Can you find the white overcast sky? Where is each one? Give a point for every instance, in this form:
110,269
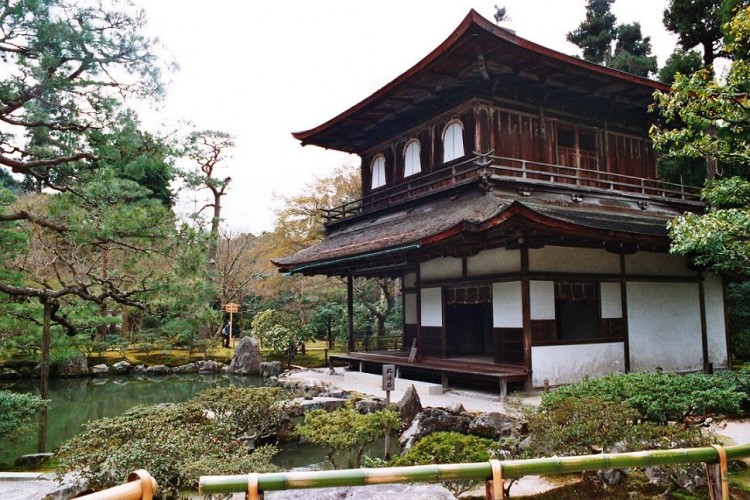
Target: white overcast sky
263,69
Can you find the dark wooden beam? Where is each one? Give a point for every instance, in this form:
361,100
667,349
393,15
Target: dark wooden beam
350,313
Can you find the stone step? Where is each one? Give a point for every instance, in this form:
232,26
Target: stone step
373,380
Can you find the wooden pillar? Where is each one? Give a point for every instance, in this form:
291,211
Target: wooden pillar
704,326
624,302
350,313
526,310
726,322
419,313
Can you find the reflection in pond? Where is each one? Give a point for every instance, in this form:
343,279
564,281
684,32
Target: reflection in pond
76,401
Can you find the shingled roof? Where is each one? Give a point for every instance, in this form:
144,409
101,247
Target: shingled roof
477,55
471,213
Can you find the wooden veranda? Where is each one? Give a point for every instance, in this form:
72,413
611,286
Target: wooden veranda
444,367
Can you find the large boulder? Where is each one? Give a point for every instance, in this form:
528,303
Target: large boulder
158,370
434,420
270,369
77,366
494,425
409,406
246,360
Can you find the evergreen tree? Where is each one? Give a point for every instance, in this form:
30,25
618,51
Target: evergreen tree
684,62
619,47
597,32
633,51
697,23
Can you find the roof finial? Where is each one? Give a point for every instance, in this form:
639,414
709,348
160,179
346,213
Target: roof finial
500,14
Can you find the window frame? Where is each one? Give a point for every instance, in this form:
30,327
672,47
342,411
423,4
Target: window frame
373,187
451,125
407,146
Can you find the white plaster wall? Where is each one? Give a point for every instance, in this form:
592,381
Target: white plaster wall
495,261
611,300
432,307
542,294
410,280
568,259
713,290
563,364
660,264
444,267
506,305
664,326
410,308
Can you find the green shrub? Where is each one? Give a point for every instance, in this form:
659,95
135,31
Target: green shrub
584,426
347,429
18,413
448,448
178,443
659,397
581,426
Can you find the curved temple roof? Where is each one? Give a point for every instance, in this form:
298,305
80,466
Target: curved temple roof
478,58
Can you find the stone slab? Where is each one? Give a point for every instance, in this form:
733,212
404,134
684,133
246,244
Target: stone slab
373,380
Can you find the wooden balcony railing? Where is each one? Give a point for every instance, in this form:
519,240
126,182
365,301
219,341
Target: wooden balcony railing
502,169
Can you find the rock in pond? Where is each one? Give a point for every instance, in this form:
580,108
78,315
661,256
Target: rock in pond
120,367
158,370
188,368
77,366
246,360
9,374
100,369
209,366
270,369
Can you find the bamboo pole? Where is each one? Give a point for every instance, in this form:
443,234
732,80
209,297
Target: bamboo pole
463,472
139,486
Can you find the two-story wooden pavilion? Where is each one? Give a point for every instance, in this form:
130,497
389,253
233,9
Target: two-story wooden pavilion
513,189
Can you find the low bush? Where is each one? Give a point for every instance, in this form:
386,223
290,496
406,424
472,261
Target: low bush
591,425
581,426
18,413
347,429
177,443
660,397
449,448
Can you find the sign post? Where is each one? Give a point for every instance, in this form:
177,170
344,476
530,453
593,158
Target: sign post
231,308
389,384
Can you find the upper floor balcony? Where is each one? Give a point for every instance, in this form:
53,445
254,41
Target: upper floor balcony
525,178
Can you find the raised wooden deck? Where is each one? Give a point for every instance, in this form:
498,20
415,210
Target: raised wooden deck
445,367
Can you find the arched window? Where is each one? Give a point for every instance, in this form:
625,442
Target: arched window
377,168
412,161
453,142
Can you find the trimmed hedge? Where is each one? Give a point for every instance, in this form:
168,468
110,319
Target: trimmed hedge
662,397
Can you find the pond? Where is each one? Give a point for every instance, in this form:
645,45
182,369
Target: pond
76,401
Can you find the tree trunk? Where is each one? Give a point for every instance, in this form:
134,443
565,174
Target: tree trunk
44,376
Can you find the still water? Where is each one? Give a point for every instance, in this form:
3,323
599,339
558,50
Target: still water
77,401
